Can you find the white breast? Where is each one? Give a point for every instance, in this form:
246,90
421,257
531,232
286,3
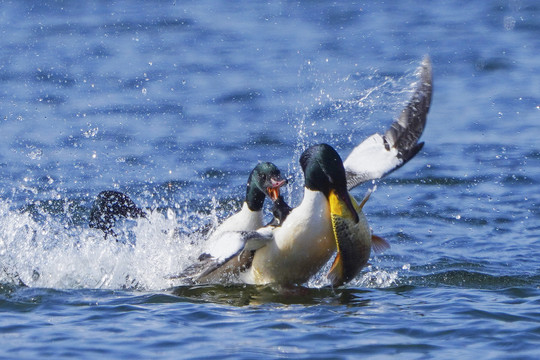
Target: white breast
301,246
244,220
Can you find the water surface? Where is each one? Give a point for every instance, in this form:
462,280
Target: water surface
175,102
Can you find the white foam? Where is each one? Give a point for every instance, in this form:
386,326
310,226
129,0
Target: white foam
49,255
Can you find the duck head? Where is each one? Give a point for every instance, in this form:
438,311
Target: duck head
110,206
264,180
324,172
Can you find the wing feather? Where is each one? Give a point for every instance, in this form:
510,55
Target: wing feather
379,155
231,253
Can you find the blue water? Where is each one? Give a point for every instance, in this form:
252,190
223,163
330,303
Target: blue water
175,102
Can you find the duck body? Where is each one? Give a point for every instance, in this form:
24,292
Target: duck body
221,242
300,246
227,250
354,241
109,207
244,220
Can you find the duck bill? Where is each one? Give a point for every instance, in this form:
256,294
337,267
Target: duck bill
273,190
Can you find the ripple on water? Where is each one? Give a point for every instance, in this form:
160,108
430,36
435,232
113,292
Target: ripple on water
149,97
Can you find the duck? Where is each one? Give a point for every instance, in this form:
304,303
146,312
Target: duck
109,207
265,180
328,220
305,241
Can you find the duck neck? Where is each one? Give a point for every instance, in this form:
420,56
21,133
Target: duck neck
254,197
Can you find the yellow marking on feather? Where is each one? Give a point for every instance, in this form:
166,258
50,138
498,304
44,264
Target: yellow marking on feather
345,263
338,207
334,230
336,271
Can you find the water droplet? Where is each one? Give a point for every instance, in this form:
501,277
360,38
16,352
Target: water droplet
91,132
35,154
509,22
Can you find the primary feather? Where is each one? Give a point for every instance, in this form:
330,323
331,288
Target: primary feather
379,155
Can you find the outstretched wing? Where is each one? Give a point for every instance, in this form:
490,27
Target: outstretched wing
379,155
227,256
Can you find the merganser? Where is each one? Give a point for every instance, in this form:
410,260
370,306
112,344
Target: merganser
109,207
328,218
265,180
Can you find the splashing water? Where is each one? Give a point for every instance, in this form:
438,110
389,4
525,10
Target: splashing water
146,256
48,253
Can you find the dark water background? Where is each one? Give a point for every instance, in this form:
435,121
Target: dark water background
175,102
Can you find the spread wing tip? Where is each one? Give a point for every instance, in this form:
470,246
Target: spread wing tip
404,133
377,156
